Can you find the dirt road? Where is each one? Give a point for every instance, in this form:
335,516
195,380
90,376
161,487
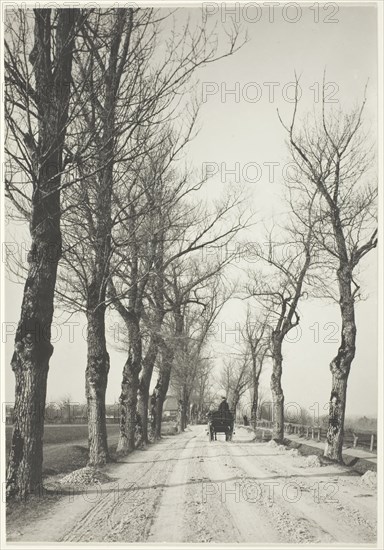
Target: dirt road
186,489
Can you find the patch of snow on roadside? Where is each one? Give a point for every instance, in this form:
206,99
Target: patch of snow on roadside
293,452
311,461
369,479
85,476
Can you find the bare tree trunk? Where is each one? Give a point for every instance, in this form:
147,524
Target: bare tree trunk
335,432
96,378
164,379
129,389
145,381
153,416
159,414
164,385
128,402
142,407
255,399
235,402
277,390
101,230
24,473
184,409
350,242
33,348
340,367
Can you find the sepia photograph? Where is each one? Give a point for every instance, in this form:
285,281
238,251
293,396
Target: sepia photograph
191,274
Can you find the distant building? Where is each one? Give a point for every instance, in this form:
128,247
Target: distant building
170,408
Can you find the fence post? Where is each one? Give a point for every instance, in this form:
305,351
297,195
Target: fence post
313,434
307,433
319,435
355,438
372,442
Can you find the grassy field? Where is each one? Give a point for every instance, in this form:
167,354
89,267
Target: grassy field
63,433
66,445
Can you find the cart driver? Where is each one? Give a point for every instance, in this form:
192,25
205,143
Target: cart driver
224,407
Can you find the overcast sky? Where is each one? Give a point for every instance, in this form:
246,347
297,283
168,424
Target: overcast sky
242,128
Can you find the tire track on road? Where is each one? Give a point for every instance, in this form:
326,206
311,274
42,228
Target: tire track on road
324,517
167,525
128,516
206,519
251,522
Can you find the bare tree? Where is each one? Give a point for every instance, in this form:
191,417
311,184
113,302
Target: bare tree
111,43
204,297
201,392
236,378
38,93
191,228
332,156
256,335
131,98
193,297
279,290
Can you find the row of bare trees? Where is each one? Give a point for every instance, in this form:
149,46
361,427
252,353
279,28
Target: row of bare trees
97,123
97,128
315,253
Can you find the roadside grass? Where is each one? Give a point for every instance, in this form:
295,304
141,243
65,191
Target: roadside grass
66,445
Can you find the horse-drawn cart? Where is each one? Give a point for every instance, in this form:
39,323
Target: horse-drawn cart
219,422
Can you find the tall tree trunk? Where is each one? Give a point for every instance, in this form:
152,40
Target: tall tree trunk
129,389
335,433
235,403
155,341
255,400
128,403
163,382
184,408
153,415
340,367
277,390
142,408
98,358
96,377
164,385
33,348
159,411
145,381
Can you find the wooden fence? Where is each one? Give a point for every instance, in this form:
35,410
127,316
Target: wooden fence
362,440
